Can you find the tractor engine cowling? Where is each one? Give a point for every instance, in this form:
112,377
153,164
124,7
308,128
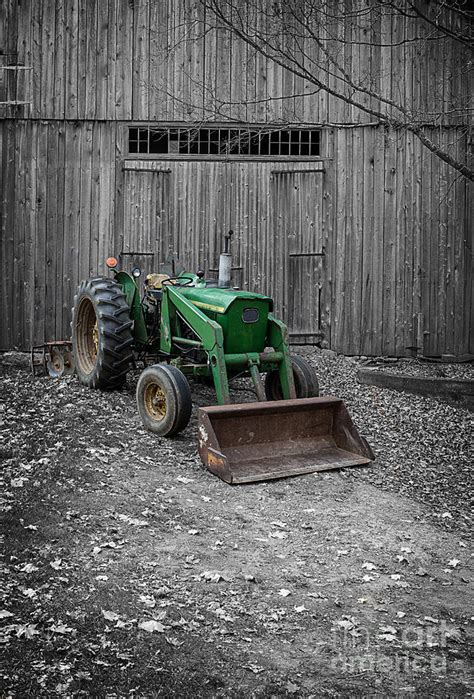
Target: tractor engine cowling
242,315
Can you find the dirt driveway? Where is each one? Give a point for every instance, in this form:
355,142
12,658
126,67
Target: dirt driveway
130,571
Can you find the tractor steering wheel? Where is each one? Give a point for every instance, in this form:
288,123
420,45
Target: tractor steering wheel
189,280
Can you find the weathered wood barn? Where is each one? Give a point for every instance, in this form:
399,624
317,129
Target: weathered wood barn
149,128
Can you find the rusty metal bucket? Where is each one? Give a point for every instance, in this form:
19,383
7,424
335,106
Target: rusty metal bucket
248,442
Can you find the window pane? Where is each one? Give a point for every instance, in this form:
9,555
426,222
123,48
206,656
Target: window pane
245,141
159,142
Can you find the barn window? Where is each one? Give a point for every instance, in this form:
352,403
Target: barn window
224,142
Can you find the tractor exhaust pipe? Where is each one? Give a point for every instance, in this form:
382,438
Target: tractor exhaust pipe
225,263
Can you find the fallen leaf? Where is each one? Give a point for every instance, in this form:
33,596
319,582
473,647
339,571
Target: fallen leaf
29,568
387,636
212,577
17,482
291,688
454,562
345,624
60,629
29,592
174,642
151,626
284,593
369,566
110,616
27,630
148,600
56,564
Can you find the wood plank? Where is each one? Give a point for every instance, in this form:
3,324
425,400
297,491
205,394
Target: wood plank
52,226
91,61
7,230
111,66
389,244
401,270
71,221
71,55
104,96
23,250
36,57
107,138
141,23
61,232
84,269
47,59
158,37
368,234
124,56
38,231
83,20
58,93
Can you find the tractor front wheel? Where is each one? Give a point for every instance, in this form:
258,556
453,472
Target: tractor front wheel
101,334
164,400
306,381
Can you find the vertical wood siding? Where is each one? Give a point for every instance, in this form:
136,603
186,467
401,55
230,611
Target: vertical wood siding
397,266
395,222
165,60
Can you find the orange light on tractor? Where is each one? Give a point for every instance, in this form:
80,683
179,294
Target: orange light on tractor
111,262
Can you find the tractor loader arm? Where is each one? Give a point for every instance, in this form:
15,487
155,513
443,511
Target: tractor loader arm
209,332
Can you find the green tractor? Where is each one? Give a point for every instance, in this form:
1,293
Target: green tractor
191,327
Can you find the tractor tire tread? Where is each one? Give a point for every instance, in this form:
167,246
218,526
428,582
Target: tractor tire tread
114,327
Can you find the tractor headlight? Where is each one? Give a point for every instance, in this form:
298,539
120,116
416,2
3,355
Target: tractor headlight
136,271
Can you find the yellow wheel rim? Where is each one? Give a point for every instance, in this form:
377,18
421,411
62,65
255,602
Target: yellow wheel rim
87,334
95,336
155,401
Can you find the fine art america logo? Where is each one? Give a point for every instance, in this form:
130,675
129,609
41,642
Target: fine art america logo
413,649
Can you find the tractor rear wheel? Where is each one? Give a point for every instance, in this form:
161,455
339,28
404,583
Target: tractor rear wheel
306,381
164,400
101,334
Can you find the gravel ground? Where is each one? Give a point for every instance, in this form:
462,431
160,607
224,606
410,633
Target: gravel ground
131,572
423,446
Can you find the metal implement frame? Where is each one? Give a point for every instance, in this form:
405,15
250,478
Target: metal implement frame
39,353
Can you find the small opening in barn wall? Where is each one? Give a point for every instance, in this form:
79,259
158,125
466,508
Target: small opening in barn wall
224,142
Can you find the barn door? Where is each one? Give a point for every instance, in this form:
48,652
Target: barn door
297,200
145,231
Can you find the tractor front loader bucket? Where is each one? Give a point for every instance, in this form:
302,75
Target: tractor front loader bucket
248,442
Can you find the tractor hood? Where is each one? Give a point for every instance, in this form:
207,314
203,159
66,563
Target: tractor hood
215,300
242,315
